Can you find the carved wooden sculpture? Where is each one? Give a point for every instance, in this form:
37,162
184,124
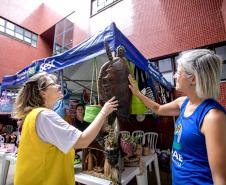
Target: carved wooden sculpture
113,81
90,160
107,168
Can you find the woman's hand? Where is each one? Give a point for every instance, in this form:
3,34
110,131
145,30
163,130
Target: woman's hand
89,134
109,106
133,86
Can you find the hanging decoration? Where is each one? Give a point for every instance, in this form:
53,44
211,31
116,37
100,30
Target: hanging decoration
92,110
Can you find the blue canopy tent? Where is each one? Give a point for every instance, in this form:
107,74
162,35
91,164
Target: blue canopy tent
77,62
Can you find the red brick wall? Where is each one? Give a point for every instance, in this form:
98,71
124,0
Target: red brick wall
222,96
164,27
223,10
33,15
159,28
15,55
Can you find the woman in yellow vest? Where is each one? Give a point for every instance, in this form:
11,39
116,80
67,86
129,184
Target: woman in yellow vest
46,151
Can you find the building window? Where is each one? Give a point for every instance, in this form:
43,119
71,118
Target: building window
165,65
221,51
169,77
166,68
100,5
64,32
15,31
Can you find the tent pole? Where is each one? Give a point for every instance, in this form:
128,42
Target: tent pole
76,82
61,80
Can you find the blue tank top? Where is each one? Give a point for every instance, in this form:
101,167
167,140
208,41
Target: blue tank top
189,154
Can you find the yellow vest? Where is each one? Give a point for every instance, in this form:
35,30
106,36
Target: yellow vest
40,163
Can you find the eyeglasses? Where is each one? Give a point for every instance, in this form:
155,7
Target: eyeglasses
180,73
50,84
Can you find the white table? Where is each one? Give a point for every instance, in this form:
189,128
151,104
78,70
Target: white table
127,175
148,160
2,175
88,179
7,158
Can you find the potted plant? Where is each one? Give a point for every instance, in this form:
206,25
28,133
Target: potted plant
128,145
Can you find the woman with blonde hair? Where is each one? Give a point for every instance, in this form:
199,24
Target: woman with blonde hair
46,150
199,147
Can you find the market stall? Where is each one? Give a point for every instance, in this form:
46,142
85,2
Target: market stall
79,68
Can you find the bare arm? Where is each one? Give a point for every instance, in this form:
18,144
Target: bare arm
214,129
93,129
169,109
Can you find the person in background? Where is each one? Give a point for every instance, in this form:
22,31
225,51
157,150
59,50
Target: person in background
19,130
46,149
80,124
78,120
199,147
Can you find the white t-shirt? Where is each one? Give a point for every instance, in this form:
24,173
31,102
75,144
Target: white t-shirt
51,128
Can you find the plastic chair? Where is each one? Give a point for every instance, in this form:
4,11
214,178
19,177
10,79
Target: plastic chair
139,134
150,139
125,133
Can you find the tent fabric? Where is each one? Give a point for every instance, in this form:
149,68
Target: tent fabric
86,51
